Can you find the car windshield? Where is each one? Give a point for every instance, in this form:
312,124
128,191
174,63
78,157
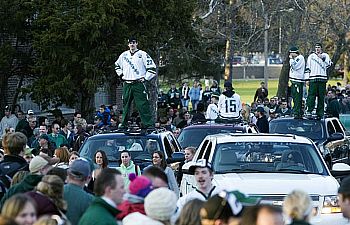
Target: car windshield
140,147
307,128
268,157
194,137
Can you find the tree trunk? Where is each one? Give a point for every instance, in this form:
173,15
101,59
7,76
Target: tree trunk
3,93
283,79
19,85
86,106
339,49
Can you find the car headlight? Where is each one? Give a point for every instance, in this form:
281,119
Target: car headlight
331,204
324,150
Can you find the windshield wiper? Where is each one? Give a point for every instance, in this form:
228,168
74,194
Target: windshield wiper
243,170
295,171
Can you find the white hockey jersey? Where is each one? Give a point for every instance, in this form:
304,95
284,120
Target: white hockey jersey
135,66
230,107
297,69
212,112
316,68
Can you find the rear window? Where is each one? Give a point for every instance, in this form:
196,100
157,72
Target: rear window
194,137
308,128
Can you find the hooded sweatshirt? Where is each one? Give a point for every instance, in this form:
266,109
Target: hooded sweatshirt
127,170
229,104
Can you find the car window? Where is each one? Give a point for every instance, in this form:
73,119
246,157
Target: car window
194,137
169,148
204,146
307,128
173,142
208,150
337,126
269,157
330,128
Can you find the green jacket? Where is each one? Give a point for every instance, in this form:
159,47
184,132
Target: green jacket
126,171
99,213
28,184
58,139
76,209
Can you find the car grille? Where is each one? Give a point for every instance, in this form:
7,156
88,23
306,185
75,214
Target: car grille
277,200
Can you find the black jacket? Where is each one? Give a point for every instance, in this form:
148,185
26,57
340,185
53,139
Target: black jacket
263,124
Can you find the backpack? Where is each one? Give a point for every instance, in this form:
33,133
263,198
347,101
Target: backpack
7,171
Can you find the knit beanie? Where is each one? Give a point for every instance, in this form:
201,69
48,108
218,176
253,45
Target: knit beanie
160,204
293,50
139,185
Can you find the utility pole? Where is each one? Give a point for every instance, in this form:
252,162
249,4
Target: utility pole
266,36
229,43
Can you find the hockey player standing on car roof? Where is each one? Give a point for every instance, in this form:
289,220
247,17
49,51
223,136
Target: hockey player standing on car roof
297,78
135,67
316,72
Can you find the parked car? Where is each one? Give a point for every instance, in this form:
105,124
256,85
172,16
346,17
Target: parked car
193,135
328,134
270,166
141,145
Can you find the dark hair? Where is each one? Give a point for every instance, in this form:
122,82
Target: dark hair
153,171
55,122
60,172
104,158
163,164
64,122
105,179
41,120
125,151
76,113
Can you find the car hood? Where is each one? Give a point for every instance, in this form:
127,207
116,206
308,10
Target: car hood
277,183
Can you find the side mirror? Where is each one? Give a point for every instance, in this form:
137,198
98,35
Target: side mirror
176,157
186,167
340,170
335,137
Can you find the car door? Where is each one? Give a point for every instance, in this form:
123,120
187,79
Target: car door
341,146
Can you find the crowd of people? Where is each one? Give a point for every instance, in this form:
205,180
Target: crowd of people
42,192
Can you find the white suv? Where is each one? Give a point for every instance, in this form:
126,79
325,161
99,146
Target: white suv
270,166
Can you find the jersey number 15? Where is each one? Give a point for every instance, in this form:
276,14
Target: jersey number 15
230,105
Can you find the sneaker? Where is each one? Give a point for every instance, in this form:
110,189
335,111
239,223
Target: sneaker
308,115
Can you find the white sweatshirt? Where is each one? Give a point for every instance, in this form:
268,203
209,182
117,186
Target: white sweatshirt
297,68
316,67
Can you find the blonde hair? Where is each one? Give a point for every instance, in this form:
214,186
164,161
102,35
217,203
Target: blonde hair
18,177
52,187
14,205
246,113
63,154
298,205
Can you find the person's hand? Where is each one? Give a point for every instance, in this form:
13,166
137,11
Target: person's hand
142,79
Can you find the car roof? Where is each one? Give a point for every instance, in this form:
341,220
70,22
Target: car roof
292,119
244,137
215,125
122,134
